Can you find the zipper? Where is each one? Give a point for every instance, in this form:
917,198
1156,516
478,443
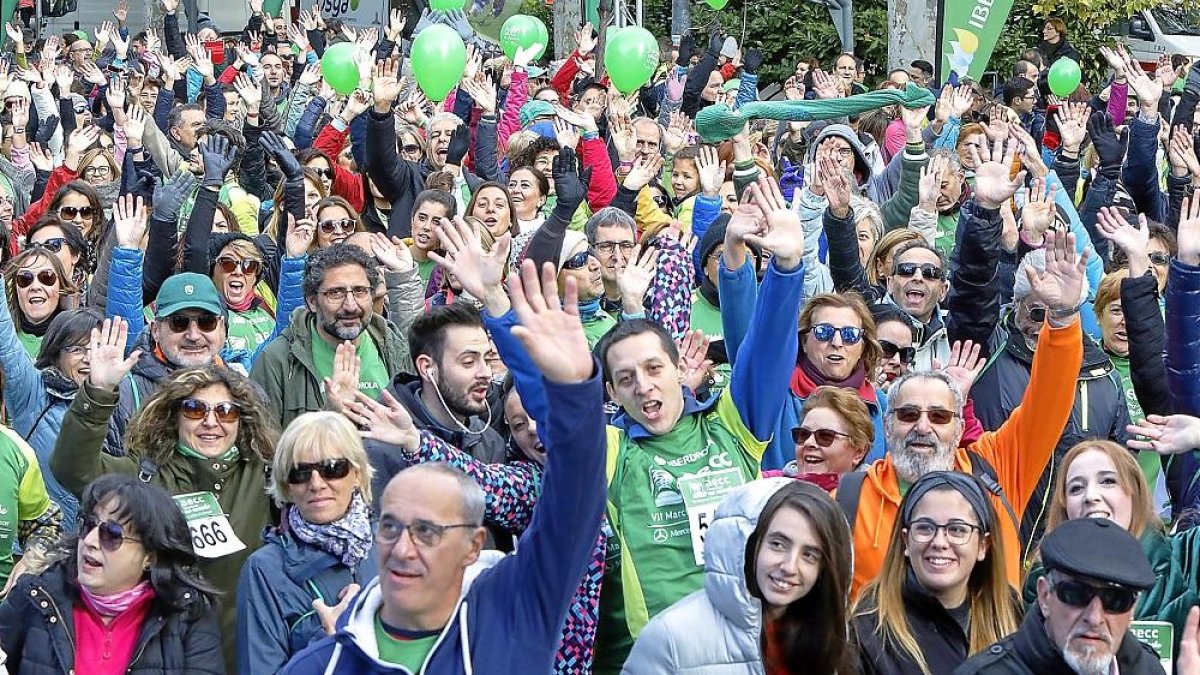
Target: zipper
141,649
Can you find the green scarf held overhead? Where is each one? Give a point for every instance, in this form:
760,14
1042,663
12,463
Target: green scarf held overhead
717,123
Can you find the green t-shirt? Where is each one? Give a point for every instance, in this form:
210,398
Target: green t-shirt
31,343
706,317
373,375
23,494
425,268
1149,461
409,652
249,329
597,327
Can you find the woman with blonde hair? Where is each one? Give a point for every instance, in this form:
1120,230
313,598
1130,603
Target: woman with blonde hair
942,594
879,263
1101,479
323,551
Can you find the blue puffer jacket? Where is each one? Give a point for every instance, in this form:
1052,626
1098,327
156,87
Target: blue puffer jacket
36,401
275,618
1183,357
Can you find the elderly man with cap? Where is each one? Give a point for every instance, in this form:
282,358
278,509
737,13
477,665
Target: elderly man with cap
1080,623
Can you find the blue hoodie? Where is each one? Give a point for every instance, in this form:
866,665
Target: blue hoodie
511,608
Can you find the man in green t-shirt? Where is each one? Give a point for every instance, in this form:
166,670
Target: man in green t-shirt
26,512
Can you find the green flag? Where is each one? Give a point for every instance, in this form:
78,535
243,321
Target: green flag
969,31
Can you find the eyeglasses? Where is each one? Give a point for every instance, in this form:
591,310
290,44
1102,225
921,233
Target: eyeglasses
825,437
323,173
24,278
410,148
577,261
80,50
96,171
248,267
340,225
53,245
75,350
851,335
424,532
80,109
909,414
339,294
607,247
330,469
1079,594
923,530
928,270
890,349
179,323
69,212
112,535
227,412
1160,258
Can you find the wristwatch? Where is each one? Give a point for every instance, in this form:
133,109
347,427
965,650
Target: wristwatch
1064,313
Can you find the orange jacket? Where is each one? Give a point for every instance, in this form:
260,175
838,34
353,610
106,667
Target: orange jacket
1019,451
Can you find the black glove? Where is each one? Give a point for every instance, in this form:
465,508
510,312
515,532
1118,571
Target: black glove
460,143
287,162
1110,149
1192,86
169,196
715,42
687,45
570,186
752,61
219,155
46,130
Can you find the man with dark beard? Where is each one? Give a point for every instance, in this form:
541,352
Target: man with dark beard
924,425
336,344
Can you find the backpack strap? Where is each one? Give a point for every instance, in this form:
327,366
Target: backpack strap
849,490
986,473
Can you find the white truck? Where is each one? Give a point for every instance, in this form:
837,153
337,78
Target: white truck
1172,29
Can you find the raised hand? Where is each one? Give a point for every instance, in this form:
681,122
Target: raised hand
1182,153
80,140
299,237
693,353
219,155
103,34
1165,435
483,92
129,221
106,354
288,164
993,186
1189,647
1189,231
825,86
1072,125
311,74
566,134
169,6
20,114
40,155
356,104
249,91
169,197
393,254
14,33
120,44
583,121
570,185
134,126
385,84
480,273
645,169
585,40
1038,214
711,170
620,130
121,13
342,384
636,277
1110,148
385,421
836,182
784,235
964,365
549,328
1114,227
1149,90
93,75
675,135
395,27
929,188
1061,286
524,55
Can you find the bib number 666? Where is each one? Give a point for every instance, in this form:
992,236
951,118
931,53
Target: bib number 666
208,534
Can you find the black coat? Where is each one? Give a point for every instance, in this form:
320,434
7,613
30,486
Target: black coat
1029,652
37,633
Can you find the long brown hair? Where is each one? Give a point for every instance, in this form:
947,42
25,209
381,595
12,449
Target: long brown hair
1129,473
994,612
154,430
812,631
66,288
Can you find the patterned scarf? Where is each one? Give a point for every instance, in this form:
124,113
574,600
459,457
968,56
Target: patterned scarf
117,603
348,538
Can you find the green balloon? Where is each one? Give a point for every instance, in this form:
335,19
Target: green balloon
339,69
1064,77
717,4
439,58
446,5
523,31
630,58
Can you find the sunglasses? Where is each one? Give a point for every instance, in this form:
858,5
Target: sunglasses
330,469
179,323
111,534
248,267
69,212
577,261
1160,258
80,109
1079,594
340,225
909,414
24,278
53,245
851,335
195,409
323,173
928,270
825,437
410,148
1037,314
890,349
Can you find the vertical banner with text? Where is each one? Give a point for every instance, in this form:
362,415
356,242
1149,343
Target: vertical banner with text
969,32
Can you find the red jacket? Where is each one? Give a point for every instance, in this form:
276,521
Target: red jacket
20,227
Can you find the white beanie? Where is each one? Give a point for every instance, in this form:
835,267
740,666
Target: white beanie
729,49
1036,260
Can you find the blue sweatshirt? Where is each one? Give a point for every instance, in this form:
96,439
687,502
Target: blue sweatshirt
509,618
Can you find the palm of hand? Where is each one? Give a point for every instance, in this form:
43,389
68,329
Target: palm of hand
1037,216
992,183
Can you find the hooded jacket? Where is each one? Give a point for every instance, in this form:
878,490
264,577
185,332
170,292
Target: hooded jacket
508,620
483,442
1183,361
718,629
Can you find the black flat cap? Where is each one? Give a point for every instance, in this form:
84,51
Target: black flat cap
1100,549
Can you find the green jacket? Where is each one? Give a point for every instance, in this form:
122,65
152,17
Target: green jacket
239,485
289,379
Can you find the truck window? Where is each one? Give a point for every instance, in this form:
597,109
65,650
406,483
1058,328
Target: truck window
1178,20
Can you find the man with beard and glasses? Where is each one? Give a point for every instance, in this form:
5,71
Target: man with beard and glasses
336,344
924,425
1080,622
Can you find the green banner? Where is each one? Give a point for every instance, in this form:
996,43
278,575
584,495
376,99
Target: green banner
970,29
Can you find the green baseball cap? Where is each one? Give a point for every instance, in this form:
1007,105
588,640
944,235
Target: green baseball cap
188,291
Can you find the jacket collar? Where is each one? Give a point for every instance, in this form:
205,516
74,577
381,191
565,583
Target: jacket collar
299,335
637,432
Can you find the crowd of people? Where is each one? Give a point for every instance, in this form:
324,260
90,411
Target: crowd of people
538,380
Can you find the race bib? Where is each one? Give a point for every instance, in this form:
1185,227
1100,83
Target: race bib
701,495
212,535
1160,635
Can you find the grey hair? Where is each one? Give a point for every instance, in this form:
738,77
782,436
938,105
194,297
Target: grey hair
952,160
609,216
469,492
959,400
321,435
1037,260
440,117
865,209
642,120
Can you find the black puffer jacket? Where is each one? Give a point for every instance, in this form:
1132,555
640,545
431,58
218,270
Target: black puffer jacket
37,632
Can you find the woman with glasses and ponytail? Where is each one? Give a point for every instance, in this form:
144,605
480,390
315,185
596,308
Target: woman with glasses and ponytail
204,436
942,594
322,553
124,595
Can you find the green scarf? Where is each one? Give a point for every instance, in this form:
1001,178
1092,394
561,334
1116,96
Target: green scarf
228,456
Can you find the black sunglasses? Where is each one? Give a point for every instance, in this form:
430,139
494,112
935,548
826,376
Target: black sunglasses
323,173
53,245
890,349
1115,600
928,270
577,261
825,437
69,212
24,278
1160,258
1037,314
410,147
330,469
111,534
178,323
